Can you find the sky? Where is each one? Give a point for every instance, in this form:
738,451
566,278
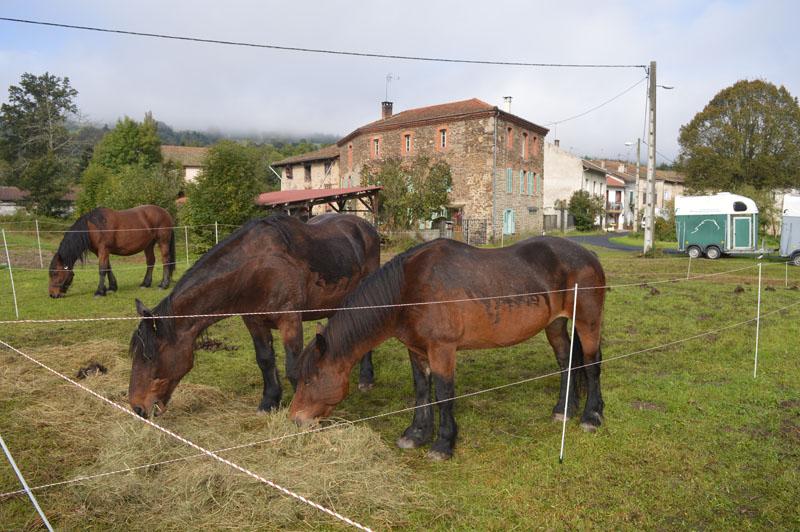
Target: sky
700,47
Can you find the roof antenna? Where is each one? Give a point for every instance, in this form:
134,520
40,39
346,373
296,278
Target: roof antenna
389,78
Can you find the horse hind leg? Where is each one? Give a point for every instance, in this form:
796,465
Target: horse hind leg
167,260
150,258
559,340
105,268
589,334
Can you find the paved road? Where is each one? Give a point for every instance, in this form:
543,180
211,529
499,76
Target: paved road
604,242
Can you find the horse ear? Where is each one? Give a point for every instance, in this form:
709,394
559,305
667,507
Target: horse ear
322,345
142,310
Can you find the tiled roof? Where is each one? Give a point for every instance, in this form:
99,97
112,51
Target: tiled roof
440,112
289,196
328,152
185,155
12,193
612,181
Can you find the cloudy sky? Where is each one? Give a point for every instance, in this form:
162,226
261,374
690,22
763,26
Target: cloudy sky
700,48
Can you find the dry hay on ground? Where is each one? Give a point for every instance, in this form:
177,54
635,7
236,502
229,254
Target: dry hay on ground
347,468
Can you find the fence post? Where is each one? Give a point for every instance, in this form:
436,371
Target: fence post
569,373
786,275
466,226
758,321
186,241
689,269
25,485
10,274
39,243
216,233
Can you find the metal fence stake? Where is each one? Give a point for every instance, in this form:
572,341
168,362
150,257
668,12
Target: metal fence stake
758,321
10,274
569,374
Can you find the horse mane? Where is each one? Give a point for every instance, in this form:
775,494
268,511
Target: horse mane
143,341
348,327
76,241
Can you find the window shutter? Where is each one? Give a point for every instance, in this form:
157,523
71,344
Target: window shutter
509,180
521,182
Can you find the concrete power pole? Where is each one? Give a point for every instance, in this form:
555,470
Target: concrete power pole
649,233
636,187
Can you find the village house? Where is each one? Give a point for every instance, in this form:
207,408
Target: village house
315,170
495,157
191,159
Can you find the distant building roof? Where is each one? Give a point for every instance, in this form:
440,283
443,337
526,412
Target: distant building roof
612,181
438,113
328,152
185,155
628,170
12,193
291,196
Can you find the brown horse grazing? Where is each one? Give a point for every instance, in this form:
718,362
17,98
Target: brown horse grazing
107,232
272,264
545,268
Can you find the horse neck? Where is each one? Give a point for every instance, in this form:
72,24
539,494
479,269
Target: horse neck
352,349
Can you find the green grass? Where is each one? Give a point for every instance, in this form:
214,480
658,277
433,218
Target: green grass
690,440
638,241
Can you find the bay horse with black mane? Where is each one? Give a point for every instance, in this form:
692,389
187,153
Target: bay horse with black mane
107,232
280,270
537,274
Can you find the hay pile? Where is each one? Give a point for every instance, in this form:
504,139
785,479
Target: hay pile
68,433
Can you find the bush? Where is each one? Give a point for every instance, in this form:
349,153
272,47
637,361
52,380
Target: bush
140,185
585,208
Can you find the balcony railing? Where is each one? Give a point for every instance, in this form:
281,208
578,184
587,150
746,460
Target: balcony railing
613,207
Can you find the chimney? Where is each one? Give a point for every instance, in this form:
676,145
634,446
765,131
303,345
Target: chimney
507,103
386,110
557,143
621,168
602,164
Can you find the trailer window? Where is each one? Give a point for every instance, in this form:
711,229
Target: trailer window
739,206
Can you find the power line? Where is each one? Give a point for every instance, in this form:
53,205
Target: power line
596,107
319,50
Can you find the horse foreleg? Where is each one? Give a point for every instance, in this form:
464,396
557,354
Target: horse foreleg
443,365
589,335
291,328
559,340
261,332
421,428
102,256
366,374
150,258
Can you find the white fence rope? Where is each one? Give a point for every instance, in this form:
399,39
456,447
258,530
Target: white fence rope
204,451
367,307
83,478
25,486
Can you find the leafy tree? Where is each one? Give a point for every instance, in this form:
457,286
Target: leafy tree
747,135
226,189
129,143
141,185
34,139
585,208
412,189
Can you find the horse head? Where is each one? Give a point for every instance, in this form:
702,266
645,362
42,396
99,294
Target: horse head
324,383
61,276
160,361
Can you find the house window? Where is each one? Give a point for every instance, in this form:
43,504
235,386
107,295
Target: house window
521,182
524,145
531,183
535,146
407,143
376,148
288,171
307,169
509,138
350,156
442,139
509,180
328,165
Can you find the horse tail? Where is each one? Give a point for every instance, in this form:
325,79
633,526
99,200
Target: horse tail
171,267
577,362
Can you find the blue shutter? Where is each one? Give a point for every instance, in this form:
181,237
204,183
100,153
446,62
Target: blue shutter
509,180
531,181
521,182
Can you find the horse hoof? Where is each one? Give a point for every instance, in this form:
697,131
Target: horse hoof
438,456
407,443
589,427
365,386
99,294
559,417
265,408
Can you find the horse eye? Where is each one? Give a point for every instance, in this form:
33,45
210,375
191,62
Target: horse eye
66,267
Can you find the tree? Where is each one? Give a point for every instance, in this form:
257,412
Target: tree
136,184
226,189
34,139
412,189
585,208
747,135
129,143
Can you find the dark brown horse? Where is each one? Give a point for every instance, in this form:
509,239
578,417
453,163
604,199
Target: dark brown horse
545,268
272,264
107,232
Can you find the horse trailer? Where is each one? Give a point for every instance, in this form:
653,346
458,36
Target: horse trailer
718,224
790,228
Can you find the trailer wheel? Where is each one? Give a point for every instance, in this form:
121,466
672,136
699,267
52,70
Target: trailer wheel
713,252
796,258
694,252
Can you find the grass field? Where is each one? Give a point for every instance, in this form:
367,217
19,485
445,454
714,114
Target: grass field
691,440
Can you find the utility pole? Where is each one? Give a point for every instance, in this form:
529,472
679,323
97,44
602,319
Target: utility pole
649,231
636,188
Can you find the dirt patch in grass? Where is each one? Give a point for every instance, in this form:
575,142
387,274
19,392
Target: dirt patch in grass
207,343
645,405
790,403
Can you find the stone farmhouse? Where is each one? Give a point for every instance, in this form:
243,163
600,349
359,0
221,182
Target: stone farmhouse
496,160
